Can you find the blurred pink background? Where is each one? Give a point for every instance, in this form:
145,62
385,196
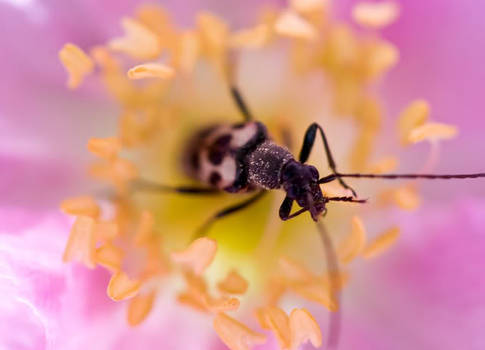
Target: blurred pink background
433,281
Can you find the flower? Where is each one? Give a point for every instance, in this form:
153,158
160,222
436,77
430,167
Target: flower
137,269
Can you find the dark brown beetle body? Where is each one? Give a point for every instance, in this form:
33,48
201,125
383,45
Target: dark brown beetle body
242,157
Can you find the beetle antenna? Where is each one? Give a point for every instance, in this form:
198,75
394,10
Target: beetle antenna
413,176
346,199
335,285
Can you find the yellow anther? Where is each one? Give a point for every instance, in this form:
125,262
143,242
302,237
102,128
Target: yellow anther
432,132
412,117
144,231
77,64
304,328
107,148
277,321
82,205
151,70
252,38
382,243
198,256
384,165
138,41
122,287
139,307
375,14
109,256
354,243
81,243
292,25
236,335
308,6
233,283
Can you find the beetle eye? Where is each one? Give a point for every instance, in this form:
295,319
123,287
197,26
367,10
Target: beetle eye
290,171
314,172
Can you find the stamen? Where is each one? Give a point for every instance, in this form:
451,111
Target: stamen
139,307
221,304
308,6
122,287
198,256
138,127
197,296
252,38
354,243
413,116
156,262
268,17
80,206
106,148
362,149
214,31
317,291
375,15
159,22
381,243
236,335
138,41
120,172
296,277
407,197
123,216
378,58
294,272
233,283
304,328
330,281
187,51
113,76
432,132
192,301
275,290
369,113
290,24
145,228
103,57
77,64
109,256
106,231
124,169
347,90
260,315
214,35
385,165
276,320
151,70
81,243
195,283
341,50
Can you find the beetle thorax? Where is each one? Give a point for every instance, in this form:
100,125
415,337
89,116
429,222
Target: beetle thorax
265,164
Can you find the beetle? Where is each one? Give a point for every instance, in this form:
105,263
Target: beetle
242,158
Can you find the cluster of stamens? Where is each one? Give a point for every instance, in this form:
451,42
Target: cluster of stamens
122,234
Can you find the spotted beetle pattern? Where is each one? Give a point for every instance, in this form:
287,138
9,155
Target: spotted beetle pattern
220,156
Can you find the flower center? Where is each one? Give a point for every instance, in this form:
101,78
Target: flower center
153,71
